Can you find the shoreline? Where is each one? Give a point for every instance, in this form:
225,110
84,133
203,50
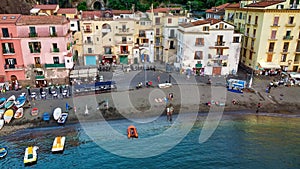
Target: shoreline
143,106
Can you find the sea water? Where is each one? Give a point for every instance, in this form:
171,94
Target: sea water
240,141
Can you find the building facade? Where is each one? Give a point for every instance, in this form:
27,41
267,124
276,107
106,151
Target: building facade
209,47
271,33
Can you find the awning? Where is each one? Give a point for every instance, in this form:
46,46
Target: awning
269,65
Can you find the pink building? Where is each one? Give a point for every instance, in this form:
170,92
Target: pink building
46,46
11,58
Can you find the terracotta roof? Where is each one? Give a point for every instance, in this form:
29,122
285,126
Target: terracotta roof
9,18
118,12
263,4
217,8
210,21
46,7
91,14
41,20
67,11
163,10
235,5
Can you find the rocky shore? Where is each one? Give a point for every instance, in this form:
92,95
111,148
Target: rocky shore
150,102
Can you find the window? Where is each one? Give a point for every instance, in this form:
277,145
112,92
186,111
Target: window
10,62
157,21
56,60
269,57
276,19
97,27
291,20
155,14
250,55
32,32
221,25
107,50
273,34
199,42
205,28
52,31
72,25
283,58
288,33
169,20
252,44
34,47
157,31
271,46
246,41
254,32
248,30
256,20
98,39
172,33
198,55
124,39
241,15
236,39
55,48
286,46
249,19
90,50
8,48
123,28
5,32
143,23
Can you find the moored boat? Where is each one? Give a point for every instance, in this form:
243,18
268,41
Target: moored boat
63,118
132,132
10,102
20,101
58,144
3,152
19,113
34,111
30,156
8,115
1,123
1,112
46,116
57,113
2,102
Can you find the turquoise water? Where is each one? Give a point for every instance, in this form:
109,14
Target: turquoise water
240,141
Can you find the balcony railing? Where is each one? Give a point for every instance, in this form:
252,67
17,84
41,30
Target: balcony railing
142,35
39,77
9,51
220,44
125,52
284,50
287,37
88,42
296,61
275,25
13,67
57,65
88,31
55,50
172,36
37,66
290,24
33,35
144,45
35,50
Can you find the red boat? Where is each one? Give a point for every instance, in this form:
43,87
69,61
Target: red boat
132,132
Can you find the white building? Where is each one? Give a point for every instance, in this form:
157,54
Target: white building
209,47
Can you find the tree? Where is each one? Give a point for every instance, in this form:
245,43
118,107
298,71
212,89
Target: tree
82,6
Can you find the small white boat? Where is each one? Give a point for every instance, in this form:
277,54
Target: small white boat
10,102
8,115
164,85
57,113
34,111
30,156
63,118
1,123
19,113
20,101
3,152
1,112
58,144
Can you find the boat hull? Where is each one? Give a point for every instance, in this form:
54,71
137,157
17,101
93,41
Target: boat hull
8,115
57,113
3,152
63,118
19,113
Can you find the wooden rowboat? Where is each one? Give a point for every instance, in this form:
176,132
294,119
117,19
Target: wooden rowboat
19,113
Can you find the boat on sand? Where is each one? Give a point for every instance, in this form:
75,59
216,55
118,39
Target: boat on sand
19,113
10,102
63,118
8,115
57,113
1,123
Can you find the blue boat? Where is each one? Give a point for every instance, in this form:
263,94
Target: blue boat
10,102
20,101
46,116
3,152
2,102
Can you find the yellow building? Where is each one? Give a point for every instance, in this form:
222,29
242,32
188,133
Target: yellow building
44,9
70,13
271,34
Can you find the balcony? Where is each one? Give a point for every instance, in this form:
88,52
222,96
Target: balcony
296,62
272,39
56,65
124,53
37,66
13,67
144,45
55,50
142,35
124,42
275,25
219,43
158,44
220,57
54,34
10,51
39,77
287,37
124,32
172,36
290,24
31,35
297,51
284,51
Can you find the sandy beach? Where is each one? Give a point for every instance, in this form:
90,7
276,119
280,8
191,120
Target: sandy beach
147,102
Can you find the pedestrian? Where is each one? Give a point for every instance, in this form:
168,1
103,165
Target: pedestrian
41,90
29,92
258,107
158,79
